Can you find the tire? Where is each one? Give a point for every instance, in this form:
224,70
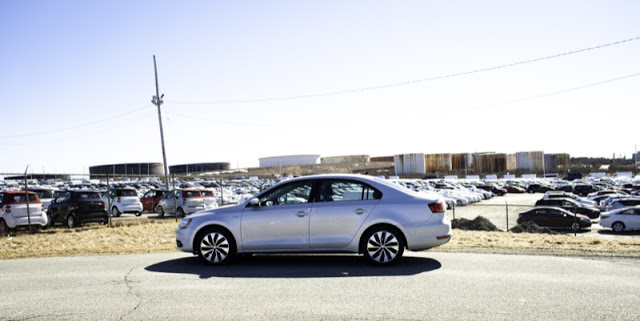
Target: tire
71,221
215,246
115,212
49,221
138,213
618,227
575,227
382,245
160,211
4,228
180,212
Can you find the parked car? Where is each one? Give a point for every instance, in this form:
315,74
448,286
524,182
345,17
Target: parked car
554,217
209,197
538,188
496,190
76,207
584,190
123,200
621,202
514,189
621,219
571,206
14,212
46,195
151,199
321,213
181,202
581,200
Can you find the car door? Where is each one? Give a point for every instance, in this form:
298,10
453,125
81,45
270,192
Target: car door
62,207
541,217
634,220
169,202
341,209
281,221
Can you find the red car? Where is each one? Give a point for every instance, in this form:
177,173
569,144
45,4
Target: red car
151,199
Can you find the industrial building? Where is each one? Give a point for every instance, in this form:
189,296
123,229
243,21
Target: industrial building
126,169
198,168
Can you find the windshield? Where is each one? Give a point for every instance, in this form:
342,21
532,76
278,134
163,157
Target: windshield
126,192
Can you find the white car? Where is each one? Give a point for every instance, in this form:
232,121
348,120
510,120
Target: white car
182,202
123,200
622,219
209,197
14,212
320,213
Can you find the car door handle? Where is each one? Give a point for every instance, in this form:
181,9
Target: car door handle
301,214
360,211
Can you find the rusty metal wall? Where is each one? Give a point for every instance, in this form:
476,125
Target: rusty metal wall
386,159
409,164
437,162
463,162
512,164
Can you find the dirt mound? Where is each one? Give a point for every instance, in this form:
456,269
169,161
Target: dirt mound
477,224
531,227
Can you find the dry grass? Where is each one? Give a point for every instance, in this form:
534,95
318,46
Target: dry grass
152,236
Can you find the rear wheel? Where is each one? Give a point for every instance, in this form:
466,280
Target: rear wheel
215,246
138,213
160,211
180,212
49,221
115,212
618,227
382,245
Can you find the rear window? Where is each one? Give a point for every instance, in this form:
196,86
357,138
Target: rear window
188,194
88,196
45,194
20,198
126,192
207,193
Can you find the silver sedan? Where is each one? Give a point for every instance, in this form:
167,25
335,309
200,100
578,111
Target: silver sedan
321,213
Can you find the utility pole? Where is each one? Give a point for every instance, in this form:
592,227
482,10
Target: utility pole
157,100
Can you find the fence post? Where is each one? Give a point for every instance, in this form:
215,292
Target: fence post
507,209
454,211
109,202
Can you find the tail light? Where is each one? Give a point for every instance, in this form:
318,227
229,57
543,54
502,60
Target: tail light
437,207
42,207
7,209
604,217
75,205
118,200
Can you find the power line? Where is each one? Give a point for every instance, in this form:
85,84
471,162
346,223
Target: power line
404,83
77,126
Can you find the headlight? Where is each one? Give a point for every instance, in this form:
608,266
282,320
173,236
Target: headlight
184,223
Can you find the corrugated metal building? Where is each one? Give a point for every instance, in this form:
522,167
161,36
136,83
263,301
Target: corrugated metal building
409,164
289,160
437,162
530,161
352,159
462,162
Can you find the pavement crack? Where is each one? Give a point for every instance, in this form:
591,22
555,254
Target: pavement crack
128,282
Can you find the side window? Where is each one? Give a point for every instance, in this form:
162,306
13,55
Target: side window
541,212
293,193
345,190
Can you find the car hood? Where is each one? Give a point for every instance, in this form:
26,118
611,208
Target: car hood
219,211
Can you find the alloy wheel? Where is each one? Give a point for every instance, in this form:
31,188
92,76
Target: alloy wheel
215,247
383,247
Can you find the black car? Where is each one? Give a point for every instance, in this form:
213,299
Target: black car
76,207
584,190
554,217
538,188
571,206
495,189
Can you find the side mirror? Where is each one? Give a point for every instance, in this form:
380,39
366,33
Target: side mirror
254,202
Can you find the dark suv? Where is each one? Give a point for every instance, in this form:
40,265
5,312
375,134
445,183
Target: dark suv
76,207
571,206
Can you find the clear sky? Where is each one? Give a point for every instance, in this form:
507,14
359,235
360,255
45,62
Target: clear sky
250,79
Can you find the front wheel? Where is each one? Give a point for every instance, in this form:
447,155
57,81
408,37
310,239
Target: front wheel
4,228
160,211
575,227
71,221
180,212
138,213
618,227
215,246
382,245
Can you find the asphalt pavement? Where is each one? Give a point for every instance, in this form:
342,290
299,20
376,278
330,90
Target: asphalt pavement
423,286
